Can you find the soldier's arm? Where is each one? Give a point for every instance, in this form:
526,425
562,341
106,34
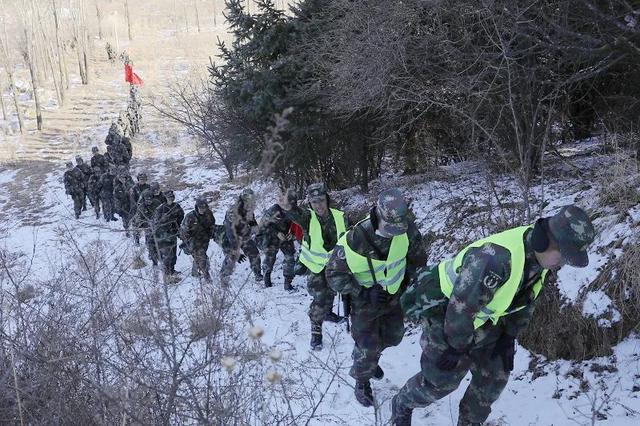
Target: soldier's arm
417,254
229,221
482,272
300,216
339,276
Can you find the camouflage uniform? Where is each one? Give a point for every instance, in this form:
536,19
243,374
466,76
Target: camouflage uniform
118,152
106,195
166,226
149,202
93,190
450,342
99,160
134,197
196,231
274,235
239,225
321,307
87,172
74,186
121,199
376,325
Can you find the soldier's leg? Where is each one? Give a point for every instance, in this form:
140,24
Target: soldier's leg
267,265
365,330
95,202
323,296
487,383
150,242
289,262
249,248
77,203
431,383
202,262
392,326
231,255
84,201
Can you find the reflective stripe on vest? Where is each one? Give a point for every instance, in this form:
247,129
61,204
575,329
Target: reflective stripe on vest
513,241
314,256
388,273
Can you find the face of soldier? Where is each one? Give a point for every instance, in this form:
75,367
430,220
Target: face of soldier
319,205
170,200
551,258
202,209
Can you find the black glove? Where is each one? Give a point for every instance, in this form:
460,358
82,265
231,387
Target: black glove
378,295
242,258
450,359
506,349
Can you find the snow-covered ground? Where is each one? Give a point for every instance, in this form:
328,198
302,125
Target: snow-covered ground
540,392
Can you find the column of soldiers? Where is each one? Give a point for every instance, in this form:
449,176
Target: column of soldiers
471,307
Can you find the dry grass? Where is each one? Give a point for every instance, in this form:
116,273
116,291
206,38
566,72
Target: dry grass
618,184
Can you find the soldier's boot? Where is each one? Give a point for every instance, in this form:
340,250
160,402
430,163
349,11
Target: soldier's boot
379,374
267,279
463,422
335,318
316,337
194,270
288,286
364,393
400,416
259,277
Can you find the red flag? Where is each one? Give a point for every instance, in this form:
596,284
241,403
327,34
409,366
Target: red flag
296,230
130,76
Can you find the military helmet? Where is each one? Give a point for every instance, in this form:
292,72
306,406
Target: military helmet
572,229
317,192
94,149
392,210
291,195
201,202
142,176
79,159
155,186
248,196
69,164
169,194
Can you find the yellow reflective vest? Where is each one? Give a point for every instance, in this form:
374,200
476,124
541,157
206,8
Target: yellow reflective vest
313,254
513,241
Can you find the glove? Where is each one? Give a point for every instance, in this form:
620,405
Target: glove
506,349
242,258
450,359
378,295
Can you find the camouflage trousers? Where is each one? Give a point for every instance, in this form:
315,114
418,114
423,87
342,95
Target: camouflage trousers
232,254
168,251
374,328
289,250
323,297
150,242
200,266
107,207
77,198
488,377
95,202
125,215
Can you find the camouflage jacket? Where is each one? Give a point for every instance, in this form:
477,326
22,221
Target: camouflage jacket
118,153
329,234
93,185
147,206
340,277
425,300
106,185
73,181
274,221
197,229
100,161
121,189
166,221
239,225
134,193
86,171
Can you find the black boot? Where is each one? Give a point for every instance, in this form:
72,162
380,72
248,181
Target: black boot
463,422
363,393
316,337
379,374
267,279
333,317
288,286
400,416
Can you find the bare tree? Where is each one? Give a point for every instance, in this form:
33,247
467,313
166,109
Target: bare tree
128,16
8,66
4,109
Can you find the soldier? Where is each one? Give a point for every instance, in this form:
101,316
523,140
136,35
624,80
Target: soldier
99,160
274,234
372,265
166,226
106,194
149,202
473,306
195,232
74,186
93,189
322,227
134,195
240,225
122,185
86,172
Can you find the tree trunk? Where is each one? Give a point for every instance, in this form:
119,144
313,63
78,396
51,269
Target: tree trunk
29,59
4,108
99,15
215,20
126,11
62,63
195,5
12,86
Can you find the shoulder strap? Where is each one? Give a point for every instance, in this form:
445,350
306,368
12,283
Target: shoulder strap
375,248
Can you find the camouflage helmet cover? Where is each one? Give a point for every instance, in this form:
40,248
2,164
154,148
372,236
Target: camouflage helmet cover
392,210
317,191
572,229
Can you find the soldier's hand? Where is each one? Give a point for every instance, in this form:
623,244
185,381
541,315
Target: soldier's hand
378,295
242,258
506,349
450,359
281,236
